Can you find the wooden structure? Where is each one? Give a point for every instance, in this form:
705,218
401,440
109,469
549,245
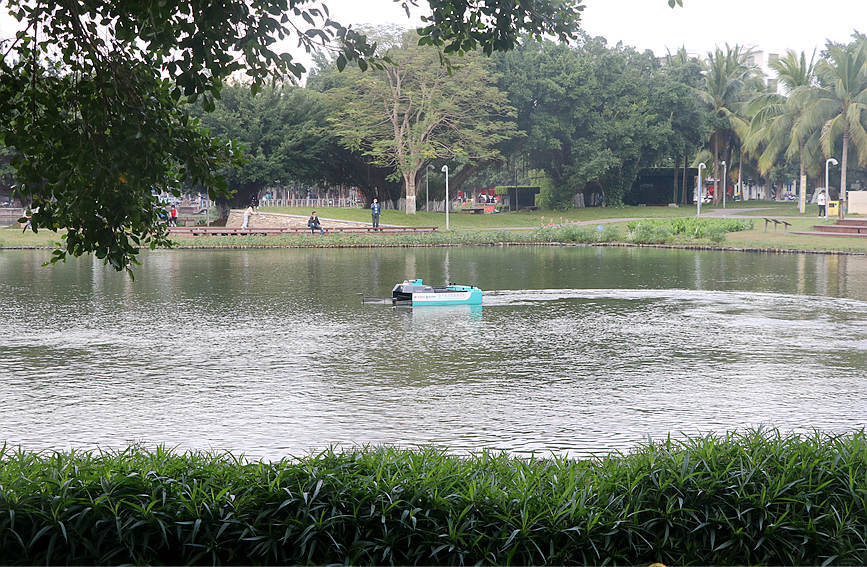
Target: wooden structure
276,231
517,197
848,227
776,222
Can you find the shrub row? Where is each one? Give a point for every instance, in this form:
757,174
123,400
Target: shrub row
666,231
759,497
578,233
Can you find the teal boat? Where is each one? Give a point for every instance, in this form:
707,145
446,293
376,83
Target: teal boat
415,292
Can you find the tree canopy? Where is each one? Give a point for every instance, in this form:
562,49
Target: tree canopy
92,94
414,110
594,114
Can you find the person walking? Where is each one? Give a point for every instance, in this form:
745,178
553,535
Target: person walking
29,216
314,224
820,200
375,209
247,213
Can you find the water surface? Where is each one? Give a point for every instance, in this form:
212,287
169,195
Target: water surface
575,351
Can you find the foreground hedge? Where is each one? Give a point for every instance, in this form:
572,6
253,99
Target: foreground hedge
759,497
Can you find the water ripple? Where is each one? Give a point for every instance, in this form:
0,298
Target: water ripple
270,353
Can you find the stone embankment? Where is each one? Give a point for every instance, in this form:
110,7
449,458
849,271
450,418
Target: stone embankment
280,220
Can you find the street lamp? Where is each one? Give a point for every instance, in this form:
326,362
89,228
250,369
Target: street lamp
445,170
700,167
426,189
724,183
832,161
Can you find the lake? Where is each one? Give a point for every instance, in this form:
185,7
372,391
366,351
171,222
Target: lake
576,351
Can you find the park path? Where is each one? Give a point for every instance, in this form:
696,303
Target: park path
735,213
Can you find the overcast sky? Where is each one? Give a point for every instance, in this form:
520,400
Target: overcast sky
771,25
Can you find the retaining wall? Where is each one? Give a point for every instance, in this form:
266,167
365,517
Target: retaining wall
275,220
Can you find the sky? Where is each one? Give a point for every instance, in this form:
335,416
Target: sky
769,25
700,25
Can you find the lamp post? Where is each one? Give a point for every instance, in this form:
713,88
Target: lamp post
698,199
445,170
724,183
827,196
426,189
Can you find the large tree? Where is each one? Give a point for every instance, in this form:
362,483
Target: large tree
91,93
730,81
675,96
282,132
591,112
776,125
414,110
838,106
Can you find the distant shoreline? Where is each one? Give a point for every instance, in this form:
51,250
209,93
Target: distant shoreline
694,247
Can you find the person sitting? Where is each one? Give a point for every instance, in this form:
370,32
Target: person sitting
314,224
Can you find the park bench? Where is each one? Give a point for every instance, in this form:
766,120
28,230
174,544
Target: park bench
785,224
221,231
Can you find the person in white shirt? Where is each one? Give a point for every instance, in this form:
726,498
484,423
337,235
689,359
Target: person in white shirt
821,201
247,212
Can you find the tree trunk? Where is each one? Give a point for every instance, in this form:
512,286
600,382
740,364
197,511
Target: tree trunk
675,169
717,196
240,200
409,181
841,205
801,172
683,196
457,180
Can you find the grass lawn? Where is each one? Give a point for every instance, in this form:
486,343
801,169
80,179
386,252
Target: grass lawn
12,237
533,219
470,228
757,238
465,221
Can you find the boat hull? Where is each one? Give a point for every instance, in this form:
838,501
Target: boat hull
416,293
462,297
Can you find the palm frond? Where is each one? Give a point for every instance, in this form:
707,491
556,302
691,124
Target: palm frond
857,132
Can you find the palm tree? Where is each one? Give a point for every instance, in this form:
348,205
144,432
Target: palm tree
774,117
837,106
727,78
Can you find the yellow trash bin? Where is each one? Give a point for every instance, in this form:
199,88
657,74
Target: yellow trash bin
832,208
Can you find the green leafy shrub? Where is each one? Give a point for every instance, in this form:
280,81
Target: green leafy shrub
660,231
576,233
610,233
759,497
715,234
651,233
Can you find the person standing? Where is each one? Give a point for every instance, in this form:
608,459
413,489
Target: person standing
821,201
247,212
375,209
314,224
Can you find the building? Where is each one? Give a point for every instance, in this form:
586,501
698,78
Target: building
762,61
